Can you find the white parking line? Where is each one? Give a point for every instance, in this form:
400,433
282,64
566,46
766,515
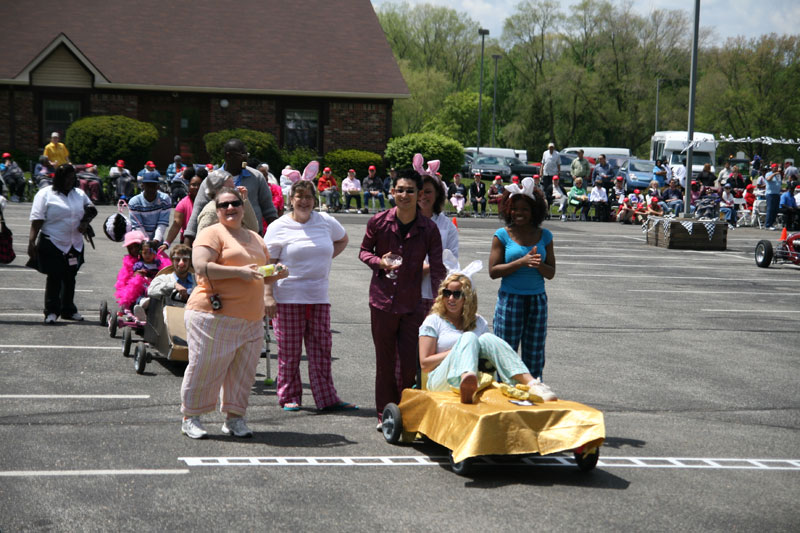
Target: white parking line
37,290
690,291
748,311
54,473
553,460
40,315
75,396
658,276
57,347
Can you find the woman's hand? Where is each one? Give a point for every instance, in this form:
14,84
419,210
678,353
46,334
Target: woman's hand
248,272
270,306
282,273
32,249
532,259
243,191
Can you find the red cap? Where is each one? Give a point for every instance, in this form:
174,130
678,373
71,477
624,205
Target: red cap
694,182
653,200
6,155
619,178
636,191
351,171
554,178
774,165
88,165
537,176
120,163
326,169
150,164
209,166
499,177
515,179
371,167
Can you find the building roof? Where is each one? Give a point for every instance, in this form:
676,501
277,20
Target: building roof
298,47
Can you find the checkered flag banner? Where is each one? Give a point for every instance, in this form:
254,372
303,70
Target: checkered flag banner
646,226
710,226
667,224
688,226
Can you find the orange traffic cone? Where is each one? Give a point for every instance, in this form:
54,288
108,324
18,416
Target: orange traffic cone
455,222
783,234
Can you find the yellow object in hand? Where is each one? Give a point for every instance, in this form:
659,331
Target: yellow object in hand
269,270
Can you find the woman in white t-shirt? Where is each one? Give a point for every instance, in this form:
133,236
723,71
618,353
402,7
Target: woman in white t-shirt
306,242
454,337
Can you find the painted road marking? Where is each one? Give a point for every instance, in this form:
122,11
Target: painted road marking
75,396
56,347
38,315
556,460
658,276
54,473
749,311
764,293
38,290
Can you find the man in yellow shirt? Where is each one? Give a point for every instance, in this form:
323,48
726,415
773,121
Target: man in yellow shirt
55,151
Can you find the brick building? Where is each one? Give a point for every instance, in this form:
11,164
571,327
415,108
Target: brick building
313,73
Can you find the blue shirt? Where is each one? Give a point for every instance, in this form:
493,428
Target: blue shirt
524,280
787,200
150,216
773,185
237,180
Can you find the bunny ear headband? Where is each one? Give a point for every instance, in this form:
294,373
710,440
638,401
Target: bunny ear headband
526,189
433,167
308,173
451,264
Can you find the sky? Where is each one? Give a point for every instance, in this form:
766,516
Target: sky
728,18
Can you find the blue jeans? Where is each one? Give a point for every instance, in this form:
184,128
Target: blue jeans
676,206
379,196
773,201
331,197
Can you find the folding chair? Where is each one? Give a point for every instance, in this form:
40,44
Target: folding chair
759,215
743,215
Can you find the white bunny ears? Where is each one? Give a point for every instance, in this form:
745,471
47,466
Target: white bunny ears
451,264
309,173
526,189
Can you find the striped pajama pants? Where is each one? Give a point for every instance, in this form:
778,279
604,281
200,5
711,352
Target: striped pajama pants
223,356
311,323
522,318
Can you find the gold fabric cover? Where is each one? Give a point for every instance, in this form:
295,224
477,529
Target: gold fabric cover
495,426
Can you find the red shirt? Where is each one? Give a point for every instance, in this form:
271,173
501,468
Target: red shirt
324,183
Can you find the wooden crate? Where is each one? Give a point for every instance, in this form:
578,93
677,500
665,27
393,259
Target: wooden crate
678,236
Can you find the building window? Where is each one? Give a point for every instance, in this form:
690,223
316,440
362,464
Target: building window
57,116
302,127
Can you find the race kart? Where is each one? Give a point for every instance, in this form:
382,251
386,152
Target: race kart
786,250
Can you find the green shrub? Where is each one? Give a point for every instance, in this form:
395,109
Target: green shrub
260,144
400,151
106,138
299,158
341,161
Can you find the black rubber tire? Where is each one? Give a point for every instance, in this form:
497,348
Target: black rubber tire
140,358
392,423
587,460
112,325
764,254
103,313
460,469
127,335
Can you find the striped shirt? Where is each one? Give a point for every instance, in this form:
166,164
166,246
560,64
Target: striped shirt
151,217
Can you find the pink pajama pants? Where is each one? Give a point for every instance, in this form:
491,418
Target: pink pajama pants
223,354
311,323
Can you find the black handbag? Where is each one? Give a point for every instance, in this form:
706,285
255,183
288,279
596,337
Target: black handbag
7,253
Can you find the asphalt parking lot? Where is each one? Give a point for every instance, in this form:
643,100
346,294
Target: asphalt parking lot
692,356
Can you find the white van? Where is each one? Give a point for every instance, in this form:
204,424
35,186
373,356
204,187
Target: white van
594,152
522,155
670,145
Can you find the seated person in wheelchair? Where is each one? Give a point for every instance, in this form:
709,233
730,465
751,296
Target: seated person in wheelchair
453,338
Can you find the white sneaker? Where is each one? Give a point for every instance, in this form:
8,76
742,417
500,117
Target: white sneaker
139,313
50,319
563,218
75,316
193,428
237,428
542,390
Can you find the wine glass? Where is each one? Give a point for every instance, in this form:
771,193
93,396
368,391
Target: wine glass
394,260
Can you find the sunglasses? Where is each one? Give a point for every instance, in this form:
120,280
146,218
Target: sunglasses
447,293
405,190
226,205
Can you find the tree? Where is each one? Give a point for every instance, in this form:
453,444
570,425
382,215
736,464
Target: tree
458,118
428,88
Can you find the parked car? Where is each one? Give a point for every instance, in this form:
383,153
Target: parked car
637,173
467,166
490,166
565,169
518,168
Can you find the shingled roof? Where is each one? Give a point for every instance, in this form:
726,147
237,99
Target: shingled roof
297,47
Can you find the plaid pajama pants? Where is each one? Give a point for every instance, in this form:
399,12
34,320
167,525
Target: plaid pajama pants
523,318
311,323
223,356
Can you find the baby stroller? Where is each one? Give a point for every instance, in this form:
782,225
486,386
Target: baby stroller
708,206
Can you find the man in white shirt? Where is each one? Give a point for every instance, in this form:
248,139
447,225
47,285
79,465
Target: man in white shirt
122,179
351,187
551,160
680,172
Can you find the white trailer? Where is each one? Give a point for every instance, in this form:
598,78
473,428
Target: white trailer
670,146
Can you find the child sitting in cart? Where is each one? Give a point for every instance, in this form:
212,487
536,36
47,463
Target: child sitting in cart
454,337
175,287
139,266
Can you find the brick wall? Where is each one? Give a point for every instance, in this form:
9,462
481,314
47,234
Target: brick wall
255,113
357,125
114,104
26,121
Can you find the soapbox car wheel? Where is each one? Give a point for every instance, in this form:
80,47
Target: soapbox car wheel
126,341
140,358
462,468
112,325
764,253
392,423
103,313
586,459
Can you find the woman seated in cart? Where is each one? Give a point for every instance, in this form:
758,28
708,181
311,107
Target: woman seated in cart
454,337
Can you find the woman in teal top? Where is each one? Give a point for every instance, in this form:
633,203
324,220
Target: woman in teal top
522,255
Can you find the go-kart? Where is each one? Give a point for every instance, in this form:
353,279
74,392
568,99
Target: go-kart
786,250
123,319
495,425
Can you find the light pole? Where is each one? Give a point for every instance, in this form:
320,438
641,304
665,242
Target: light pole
658,83
690,133
494,98
483,33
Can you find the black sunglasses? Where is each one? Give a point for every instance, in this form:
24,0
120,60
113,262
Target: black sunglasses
226,205
447,293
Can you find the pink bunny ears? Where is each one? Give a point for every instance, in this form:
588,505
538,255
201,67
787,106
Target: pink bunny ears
309,173
433,166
